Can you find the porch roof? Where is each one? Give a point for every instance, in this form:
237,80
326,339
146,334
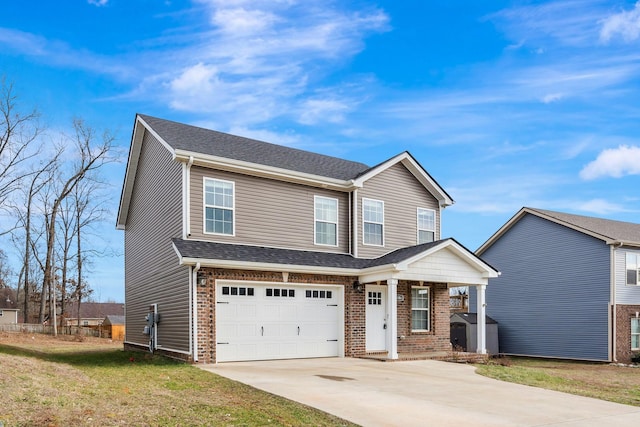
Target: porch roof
441,261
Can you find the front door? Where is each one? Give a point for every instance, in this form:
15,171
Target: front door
376,314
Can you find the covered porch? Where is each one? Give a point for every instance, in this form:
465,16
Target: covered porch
415,294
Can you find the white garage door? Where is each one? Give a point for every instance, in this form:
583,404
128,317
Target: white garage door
279,321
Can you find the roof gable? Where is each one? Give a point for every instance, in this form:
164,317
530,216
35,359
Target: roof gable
607,230
416,170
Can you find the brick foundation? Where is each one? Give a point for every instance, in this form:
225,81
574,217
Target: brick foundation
354,316
624,313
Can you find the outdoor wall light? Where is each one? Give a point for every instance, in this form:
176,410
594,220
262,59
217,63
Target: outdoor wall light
357,286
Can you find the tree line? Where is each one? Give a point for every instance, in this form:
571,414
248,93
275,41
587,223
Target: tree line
52,197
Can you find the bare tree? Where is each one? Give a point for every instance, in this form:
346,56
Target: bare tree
18,131
40,177
91,155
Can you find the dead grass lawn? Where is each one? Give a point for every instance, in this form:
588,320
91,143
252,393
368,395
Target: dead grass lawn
48,381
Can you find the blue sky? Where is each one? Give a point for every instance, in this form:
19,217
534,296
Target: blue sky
505,103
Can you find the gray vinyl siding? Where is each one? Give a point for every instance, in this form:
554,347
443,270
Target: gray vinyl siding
268,212
152,273
552,297
402,195
625,294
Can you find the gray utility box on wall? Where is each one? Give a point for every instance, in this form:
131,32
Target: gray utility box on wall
464,336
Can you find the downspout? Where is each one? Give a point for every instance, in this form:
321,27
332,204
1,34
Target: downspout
194,302
614,309
188,199
350,231
354,220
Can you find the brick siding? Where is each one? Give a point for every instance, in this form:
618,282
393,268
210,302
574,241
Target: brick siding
354,316
624,313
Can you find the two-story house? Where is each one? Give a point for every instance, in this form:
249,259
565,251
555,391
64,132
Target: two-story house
237,249
569,288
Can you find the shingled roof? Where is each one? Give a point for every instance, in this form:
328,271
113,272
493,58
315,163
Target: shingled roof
607,230
196,249
210,142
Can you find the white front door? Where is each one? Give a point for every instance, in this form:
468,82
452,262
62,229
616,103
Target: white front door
376,315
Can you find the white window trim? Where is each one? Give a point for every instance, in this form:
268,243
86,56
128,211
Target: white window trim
428,309
626,281
205,206
632,334
364,200
316,220
418,229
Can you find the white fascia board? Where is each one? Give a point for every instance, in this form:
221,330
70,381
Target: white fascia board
619,243
132,167
220,263
413,167
265,171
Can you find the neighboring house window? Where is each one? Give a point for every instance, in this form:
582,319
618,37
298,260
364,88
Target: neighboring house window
373,222
218,206
85,322
635,334
633,265
326,221
426,225
420,309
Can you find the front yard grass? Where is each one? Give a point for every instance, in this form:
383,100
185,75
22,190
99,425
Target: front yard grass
598,380
62,384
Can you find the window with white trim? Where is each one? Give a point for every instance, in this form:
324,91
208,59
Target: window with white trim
218,206
420,303
326,221
373,222
632,268
426,225
635,333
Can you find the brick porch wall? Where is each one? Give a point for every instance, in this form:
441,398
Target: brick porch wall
438,338
624,313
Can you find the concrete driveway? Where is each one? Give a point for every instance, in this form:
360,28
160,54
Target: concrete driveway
421,393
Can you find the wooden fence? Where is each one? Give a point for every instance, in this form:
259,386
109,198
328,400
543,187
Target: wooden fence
36,328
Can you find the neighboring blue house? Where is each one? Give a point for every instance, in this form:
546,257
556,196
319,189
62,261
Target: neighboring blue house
569,286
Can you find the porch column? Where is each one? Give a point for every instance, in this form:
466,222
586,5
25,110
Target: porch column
392,318
481,326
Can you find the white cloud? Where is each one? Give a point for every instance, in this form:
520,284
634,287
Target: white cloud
625,24
239,21
322,110
552,97
613,162
568,22
599,206
98,2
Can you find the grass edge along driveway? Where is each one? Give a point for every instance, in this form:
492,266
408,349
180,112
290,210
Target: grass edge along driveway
114,387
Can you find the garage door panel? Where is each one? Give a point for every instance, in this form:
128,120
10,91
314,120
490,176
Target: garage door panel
276,322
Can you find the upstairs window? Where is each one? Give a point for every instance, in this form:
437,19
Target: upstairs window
326,221
426,225
218,206
373,222
632,267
